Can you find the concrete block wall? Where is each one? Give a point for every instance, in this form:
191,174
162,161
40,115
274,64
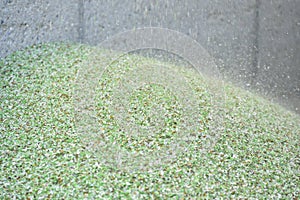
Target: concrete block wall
26,22
278,74
254,42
